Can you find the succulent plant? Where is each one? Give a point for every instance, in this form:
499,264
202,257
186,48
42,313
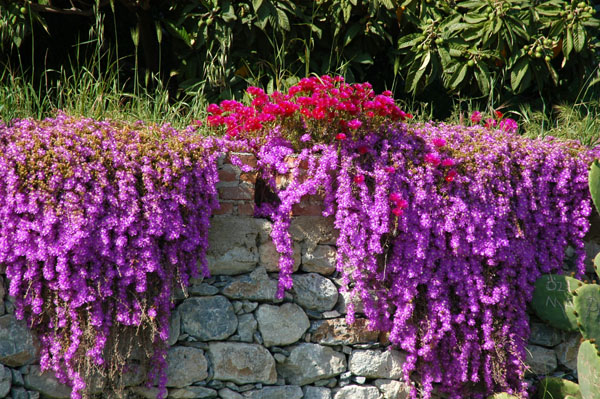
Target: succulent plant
588,370
557,388
597,265
553,300
587,307
502,395
594,183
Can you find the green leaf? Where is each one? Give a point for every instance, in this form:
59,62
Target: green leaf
474,18
594,183
458,76
256,4
351,33
578,37
483,78
517,74
284,22
409,40
363,58
569,45
415,73
553,73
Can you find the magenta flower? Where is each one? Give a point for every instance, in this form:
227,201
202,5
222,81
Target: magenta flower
439,142
433,158
476,117
354,124
448,162
509,125
340,136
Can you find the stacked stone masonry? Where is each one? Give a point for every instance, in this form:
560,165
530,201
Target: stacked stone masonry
231,339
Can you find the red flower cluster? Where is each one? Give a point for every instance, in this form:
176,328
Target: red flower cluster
343,107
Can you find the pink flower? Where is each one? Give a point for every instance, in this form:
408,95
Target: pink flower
498,114
214,109
433,158
340,136
509,125
448,162
362,150
354,124
395,197
398,211
359,179
476,117
439,142
450,175
402,203
490,123
389,169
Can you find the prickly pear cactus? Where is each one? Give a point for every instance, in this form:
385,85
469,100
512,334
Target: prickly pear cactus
594,183
557,388
587,306
502,396
553,301
588,370
597,265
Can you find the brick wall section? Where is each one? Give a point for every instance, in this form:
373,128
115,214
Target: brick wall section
237,189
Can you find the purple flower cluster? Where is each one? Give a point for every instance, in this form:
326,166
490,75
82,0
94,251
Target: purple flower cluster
99,222
443,232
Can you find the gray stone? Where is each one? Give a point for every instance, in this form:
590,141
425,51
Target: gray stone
313,230
46,384
227,393
17,378
186,366
146,392
377,364
249,306
542,334
566,351
269,257
33,395
2,294
281,325
192,392
208,318
358,392
338,332
202,289
359,380
279,358
392,389
174,327
16,342
242,363
315,292
540,361
254,287
232,245
319,260
18,393
280,392
316,392
237,307
345,298
308,363
5,381
246,327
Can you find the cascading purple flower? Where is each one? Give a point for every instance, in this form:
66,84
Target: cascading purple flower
100,221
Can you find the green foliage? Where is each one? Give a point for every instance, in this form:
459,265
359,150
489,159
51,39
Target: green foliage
553,301
557,388
594,183
502,396
587,305
588,370
482,47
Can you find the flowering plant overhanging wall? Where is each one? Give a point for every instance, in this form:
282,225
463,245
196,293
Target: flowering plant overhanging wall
443,229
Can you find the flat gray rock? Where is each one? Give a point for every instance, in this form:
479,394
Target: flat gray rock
319,260
544,335
311,392
5,381
278,392
377,364
392,389
16,342
358,392
281,325
308,363
46,384
208,318
314,292
540,361
192,392
254,287
247,326
269,257
242,363
187,365
232,245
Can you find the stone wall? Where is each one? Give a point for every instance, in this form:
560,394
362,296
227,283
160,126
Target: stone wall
231,339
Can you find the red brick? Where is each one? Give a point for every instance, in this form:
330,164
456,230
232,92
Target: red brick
226,209
228,173
247,159
236,193
248,177
245,209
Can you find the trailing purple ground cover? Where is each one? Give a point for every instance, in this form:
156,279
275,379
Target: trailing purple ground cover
99,221
443,232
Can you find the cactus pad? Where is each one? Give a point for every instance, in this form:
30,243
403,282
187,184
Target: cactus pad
587,305
594,183
553,301
588,369
557,388
502,395
597,265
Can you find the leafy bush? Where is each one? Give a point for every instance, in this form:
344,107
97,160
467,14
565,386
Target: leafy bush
100,222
